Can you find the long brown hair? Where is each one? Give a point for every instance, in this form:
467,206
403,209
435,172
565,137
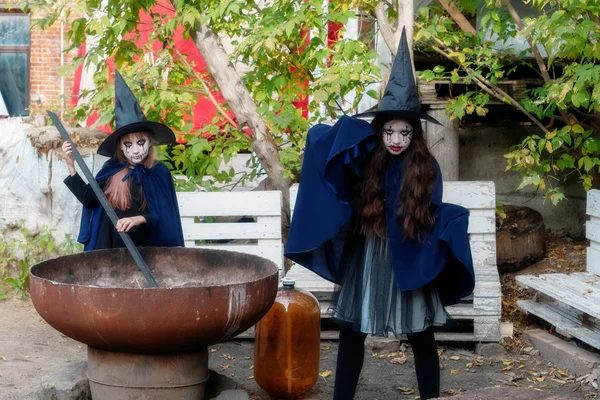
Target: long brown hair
117,192
418,181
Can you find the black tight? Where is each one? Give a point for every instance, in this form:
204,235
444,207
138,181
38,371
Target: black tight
351,355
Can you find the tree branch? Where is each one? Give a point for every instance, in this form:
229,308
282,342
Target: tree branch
386,29
207,89
458,17
489,87
534,48
242,104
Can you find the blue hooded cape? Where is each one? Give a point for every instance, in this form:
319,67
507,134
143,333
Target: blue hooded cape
157,185
323,212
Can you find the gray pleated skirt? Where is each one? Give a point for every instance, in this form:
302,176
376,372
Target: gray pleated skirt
368,299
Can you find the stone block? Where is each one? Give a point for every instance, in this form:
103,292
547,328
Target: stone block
563,354
378,344
67,383
490,350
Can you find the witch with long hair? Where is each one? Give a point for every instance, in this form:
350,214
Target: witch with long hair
137,186
369,217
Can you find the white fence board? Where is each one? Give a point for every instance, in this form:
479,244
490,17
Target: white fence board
470,194
484,253
220,204
592,231
593,203
264,228
273,253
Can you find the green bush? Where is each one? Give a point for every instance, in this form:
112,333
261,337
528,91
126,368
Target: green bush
18,253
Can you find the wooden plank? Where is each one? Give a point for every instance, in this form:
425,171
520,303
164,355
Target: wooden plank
592,231
488,331
577,286
455,337
587,277
491,305
273,253
470,194
266,228
482,222
561,322
561,293
220,204
467,311
593,203
593,260
484,253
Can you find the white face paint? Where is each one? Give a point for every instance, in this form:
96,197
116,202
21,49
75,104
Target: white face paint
397,135
135,147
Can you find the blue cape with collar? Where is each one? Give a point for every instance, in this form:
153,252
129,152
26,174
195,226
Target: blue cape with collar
323,212
157,185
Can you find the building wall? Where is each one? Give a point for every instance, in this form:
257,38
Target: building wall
481,151
47,87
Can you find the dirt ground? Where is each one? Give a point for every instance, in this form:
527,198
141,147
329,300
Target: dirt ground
31,349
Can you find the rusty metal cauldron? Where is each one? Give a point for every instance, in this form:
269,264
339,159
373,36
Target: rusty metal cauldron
152,340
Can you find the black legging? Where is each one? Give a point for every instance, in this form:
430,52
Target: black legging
351,355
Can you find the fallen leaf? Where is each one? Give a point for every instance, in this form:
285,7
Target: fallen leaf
406,390
469,365
213,350
225,366
3,358
325,373
454,372
247,358
540,379
228,357
506,368
563,373
451,392
398,360
455,358
507,362
250,377
325,348
559,381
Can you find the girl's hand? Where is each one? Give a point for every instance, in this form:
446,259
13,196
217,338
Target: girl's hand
125,224
69,160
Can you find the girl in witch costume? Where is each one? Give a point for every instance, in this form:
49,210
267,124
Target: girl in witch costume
369,216
138,187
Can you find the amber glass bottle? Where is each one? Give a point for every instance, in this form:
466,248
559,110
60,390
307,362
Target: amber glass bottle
287,343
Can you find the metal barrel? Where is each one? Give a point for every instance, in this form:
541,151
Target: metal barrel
127,376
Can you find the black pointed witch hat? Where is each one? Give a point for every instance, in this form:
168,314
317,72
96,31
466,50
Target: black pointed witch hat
130,118
401,98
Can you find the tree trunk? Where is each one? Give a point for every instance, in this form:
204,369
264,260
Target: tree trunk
240,100
443,142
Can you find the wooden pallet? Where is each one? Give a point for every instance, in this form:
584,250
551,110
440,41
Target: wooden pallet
438,92
480,311
572,302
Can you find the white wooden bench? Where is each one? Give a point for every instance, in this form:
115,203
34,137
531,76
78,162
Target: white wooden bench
572,302
483,308
261,237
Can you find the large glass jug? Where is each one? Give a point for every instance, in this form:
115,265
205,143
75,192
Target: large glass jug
287,343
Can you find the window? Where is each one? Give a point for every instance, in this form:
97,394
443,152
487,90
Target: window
14,64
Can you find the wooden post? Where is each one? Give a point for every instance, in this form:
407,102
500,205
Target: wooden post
443,142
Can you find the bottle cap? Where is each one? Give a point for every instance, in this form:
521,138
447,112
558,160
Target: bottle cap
288,282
